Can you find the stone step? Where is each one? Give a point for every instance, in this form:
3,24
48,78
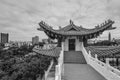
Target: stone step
74,57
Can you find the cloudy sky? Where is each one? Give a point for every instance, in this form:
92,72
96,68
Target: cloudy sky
20,18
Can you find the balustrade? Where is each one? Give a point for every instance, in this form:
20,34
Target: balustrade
109,72
49,68
59,68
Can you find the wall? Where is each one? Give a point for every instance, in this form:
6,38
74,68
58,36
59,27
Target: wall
77,47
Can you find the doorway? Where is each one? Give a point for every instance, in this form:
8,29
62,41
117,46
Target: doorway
71,44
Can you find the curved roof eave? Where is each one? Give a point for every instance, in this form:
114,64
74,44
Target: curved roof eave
54,52
104,27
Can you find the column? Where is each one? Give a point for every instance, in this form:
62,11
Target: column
66,48
96,56
62,45
77,45
62,73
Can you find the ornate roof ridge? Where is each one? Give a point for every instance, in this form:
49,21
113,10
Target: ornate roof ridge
72,23
78,31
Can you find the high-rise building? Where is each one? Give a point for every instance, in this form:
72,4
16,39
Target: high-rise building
109,36
35,40
4,37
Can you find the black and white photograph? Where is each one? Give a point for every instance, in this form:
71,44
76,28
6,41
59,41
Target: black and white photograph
59,39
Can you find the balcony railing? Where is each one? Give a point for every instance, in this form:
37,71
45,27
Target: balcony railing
109,72
60,68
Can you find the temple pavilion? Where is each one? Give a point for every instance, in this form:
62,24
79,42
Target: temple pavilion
73,36
76,61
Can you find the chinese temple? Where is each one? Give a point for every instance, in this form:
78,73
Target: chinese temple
73,35
76,60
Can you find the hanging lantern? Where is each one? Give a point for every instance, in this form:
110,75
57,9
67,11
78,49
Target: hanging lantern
52,34
94,35
81,37
90,35
86,37
55,36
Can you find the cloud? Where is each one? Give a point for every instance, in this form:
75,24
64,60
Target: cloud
20,18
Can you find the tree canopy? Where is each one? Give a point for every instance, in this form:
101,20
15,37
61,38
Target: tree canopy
15,65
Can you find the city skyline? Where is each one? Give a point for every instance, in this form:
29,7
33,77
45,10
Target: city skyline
20,18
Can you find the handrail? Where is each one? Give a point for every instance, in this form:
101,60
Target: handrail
109,72
49,68
85,54
59,67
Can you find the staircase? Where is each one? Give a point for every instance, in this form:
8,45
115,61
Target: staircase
74,57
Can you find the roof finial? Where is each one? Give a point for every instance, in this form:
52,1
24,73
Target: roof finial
71,22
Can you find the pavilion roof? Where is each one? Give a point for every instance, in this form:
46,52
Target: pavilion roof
54,52
73,29
104,51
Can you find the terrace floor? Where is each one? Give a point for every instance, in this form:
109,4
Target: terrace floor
81,72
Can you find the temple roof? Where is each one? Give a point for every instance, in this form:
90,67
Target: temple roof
54,52
73,29
104,51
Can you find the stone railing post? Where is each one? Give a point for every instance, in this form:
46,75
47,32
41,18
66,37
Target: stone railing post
89,53
62,46
96,56
45,75
56,72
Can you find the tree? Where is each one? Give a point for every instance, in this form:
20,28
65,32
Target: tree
24,68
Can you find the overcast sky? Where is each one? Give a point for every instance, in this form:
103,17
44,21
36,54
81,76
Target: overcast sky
20,18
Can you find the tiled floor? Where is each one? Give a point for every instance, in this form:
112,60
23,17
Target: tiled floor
81,72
